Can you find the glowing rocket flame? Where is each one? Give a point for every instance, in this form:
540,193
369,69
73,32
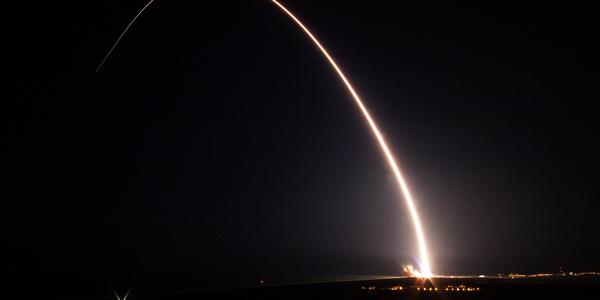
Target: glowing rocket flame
425,267
411,271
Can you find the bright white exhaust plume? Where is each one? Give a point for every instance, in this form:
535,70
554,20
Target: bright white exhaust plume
423,256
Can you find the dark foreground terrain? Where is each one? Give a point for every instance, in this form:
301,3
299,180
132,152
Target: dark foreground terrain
547,287
557,287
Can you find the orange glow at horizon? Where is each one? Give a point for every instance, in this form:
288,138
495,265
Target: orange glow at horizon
423,255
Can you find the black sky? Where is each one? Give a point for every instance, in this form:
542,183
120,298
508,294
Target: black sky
217,143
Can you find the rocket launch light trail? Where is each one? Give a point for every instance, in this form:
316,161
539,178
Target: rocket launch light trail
424,257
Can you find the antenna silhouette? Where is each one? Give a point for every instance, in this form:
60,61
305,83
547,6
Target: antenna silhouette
124,297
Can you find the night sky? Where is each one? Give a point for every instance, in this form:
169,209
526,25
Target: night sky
218,146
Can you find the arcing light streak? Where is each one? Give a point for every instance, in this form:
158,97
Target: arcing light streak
425,268
123,34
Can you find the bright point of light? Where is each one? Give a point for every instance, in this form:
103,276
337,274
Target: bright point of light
425,267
